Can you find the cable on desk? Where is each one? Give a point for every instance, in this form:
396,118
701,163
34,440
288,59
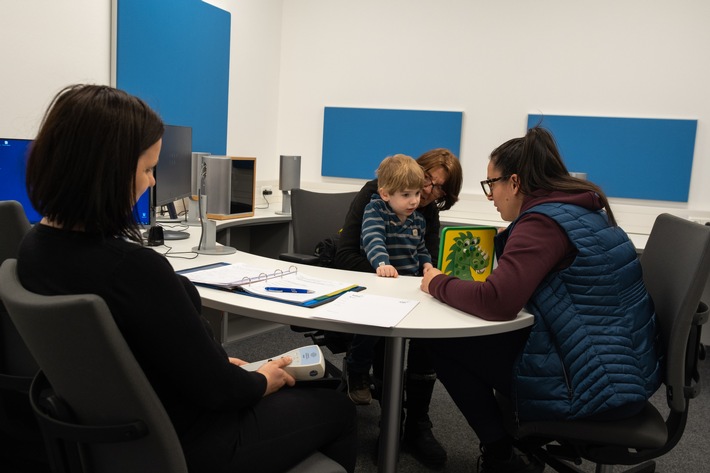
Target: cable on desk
267,204
178,254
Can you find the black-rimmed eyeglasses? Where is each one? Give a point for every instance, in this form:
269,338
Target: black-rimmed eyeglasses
487,184
439,188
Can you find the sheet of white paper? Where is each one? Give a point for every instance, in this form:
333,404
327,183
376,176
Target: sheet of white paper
364,308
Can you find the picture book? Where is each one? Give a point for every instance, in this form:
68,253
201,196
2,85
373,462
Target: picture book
467,252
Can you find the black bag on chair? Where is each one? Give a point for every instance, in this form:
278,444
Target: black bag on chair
325,250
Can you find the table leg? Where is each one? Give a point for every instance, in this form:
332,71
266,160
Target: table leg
391,405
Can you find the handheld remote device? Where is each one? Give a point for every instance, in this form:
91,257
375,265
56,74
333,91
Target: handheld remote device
308,363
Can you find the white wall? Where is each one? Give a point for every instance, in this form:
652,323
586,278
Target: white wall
44,46
495,61
254,81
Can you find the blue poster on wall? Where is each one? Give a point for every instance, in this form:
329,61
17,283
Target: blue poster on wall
356,140
635,158
174,54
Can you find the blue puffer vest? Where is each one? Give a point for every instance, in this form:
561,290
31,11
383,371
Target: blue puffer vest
592,346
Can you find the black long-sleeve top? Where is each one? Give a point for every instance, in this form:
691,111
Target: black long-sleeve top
158,313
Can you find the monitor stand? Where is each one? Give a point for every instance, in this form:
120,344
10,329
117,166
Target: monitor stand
208,243
175,235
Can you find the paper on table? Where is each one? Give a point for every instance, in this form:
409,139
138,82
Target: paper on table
368,309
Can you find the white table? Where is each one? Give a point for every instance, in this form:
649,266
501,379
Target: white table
430,319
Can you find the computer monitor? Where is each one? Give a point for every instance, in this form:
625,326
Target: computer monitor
173,174
13,162
243,186
142,210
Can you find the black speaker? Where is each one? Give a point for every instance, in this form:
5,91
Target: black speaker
155,236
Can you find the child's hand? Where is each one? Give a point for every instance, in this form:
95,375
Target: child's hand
387,271
426,267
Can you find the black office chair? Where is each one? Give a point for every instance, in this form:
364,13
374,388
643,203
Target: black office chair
97,410
676,263
20,439
315,217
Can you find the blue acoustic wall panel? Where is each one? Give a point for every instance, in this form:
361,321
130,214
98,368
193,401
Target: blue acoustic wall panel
637,158
174,54
356,140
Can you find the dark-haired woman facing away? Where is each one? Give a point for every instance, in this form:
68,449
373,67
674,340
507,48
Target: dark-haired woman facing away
591,352
93,157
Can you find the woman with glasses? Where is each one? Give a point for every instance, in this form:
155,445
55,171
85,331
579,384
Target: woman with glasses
443,180
591,351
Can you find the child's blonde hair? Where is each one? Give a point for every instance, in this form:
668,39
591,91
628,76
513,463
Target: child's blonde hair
398,173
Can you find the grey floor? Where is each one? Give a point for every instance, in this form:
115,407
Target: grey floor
692,454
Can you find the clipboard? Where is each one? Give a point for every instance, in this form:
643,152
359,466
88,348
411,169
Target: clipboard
467,252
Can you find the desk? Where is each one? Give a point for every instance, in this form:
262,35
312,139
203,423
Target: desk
430,319
265,234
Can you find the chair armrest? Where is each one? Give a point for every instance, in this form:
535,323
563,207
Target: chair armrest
57,421
20,384
301,258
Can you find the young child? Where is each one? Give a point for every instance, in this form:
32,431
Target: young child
393,241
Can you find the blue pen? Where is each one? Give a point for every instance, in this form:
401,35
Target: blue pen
288,289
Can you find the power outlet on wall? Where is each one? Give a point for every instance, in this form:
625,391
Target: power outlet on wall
266,190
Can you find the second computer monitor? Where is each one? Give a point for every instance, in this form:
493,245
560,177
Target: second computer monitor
173,174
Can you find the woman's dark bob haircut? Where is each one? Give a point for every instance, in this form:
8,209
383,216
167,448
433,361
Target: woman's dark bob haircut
81,167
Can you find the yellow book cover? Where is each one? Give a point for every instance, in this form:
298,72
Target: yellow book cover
467,252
